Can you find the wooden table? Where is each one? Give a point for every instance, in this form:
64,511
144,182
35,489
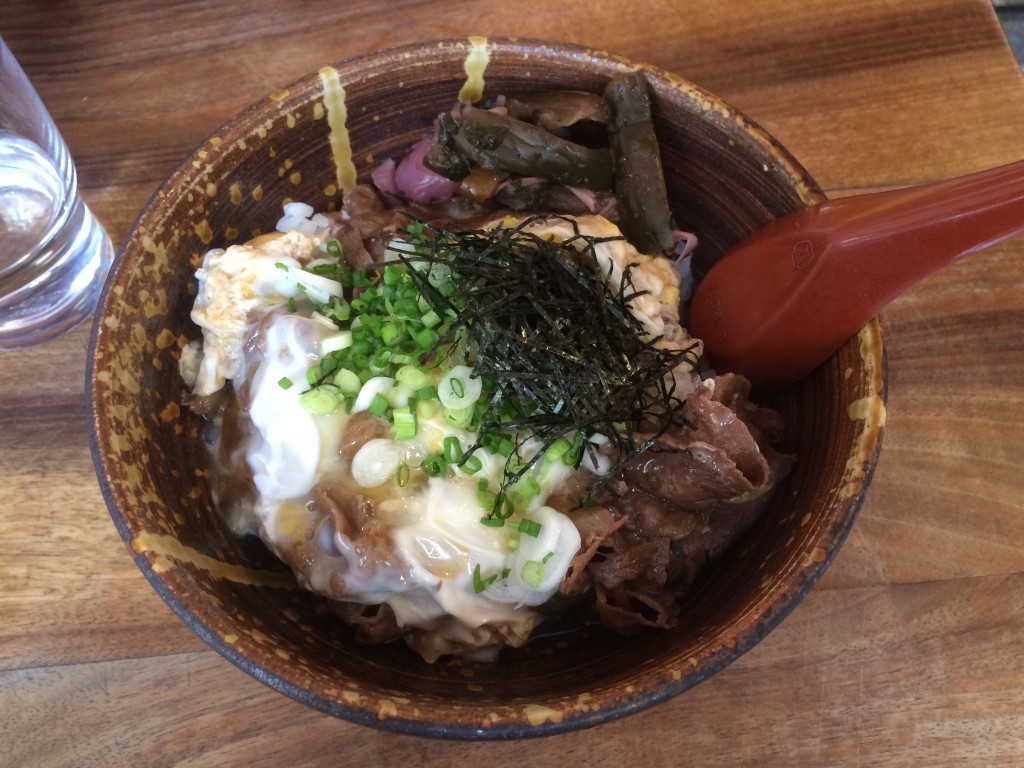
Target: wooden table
909,652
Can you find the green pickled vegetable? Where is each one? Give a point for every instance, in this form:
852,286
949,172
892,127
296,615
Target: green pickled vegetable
639,180
500,143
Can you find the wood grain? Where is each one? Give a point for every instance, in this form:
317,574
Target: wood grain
909,651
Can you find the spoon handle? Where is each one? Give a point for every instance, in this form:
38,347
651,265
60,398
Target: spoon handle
784,299
894,239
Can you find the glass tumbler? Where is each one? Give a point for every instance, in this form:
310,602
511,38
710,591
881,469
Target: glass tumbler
54,254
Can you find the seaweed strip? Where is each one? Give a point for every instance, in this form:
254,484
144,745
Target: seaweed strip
557,345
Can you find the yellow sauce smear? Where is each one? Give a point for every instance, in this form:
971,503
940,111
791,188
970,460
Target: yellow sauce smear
337,119
537,714
167,551
475,64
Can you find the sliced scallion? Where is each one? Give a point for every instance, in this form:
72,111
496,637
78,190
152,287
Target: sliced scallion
471,464
402,475
532,573
347,381
321,400
405,423
433,466
458,417
413,377
529,527
452,449
379,405
458,388
479,582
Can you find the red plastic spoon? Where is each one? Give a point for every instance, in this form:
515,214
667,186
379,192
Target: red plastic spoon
785,298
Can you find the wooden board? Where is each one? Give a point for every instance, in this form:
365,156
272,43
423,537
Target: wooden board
910,650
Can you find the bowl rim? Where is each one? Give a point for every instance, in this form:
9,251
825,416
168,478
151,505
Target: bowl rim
653,691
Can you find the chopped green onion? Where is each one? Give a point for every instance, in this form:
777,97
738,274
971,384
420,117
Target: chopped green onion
313,375
504,509
487,500
471,464
405,423
339,311
452,449
433,466
285,383
426,409
517,501
321,400
402,475
390,333
406,307
458,417
281,265
571,457
414,378
528,487
426,339
426,393
293,305
532,573
379,405
557,449
398,397
529,527
492,522
547,557
459,388
347,381
333,249
480,583
337,342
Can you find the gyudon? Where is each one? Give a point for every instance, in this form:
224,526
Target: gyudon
454,415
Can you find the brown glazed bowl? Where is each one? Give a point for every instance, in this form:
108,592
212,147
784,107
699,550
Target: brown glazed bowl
725,177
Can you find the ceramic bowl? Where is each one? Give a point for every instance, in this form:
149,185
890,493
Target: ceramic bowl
725,177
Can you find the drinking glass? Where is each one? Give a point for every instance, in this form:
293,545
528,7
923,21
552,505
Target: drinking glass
54,254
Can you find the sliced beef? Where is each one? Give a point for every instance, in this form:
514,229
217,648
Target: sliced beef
362,427
374,624
349,512
677,508
715,455
596,526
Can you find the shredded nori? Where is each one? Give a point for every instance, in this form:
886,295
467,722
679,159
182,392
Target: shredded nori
557,345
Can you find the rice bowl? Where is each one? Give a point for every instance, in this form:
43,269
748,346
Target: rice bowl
724,178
